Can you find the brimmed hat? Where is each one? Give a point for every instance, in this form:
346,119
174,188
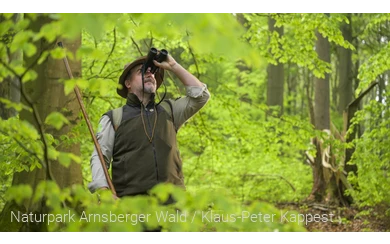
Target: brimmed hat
159,76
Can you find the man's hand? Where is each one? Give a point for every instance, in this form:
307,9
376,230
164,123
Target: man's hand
168,64
184,76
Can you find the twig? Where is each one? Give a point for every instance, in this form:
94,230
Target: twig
109,55
193,57
136,45
273,175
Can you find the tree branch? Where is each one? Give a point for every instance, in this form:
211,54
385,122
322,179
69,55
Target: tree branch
36,116
136,45
273,175
109,55
193,57
26,149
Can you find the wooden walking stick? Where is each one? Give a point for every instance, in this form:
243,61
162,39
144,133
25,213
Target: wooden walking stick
98,149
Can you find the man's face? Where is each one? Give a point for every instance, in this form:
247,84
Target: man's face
134,83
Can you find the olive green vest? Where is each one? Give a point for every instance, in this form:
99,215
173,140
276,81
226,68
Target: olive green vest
139,164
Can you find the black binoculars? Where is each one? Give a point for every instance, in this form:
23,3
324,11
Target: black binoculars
152,55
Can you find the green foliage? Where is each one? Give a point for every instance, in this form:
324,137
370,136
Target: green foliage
260,157
17,106
70,25
204,211
372,156
56,119
206,141
298,43
21,40
235,151
19,193
72,83
373,44
195,29
21,146
376,19
377,64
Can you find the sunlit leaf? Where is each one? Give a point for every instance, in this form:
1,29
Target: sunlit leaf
20,40
49,31
29,49
19,193
5,26
22,24
72,83
56,119
58,53
43,57
17,106
52,153
64,159
7,15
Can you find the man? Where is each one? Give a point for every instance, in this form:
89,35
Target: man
143,146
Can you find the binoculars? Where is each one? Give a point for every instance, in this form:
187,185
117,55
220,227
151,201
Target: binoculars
152,55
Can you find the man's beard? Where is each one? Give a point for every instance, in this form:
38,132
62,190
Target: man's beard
149,88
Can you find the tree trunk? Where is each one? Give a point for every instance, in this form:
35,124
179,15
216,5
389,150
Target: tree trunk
327,178
9,86
292,93
9,89
275,73
345,69
240,64
321,120
350,109
48,95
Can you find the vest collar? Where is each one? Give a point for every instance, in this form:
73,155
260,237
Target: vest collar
133,100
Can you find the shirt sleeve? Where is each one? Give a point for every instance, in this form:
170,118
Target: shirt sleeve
185,107
105,137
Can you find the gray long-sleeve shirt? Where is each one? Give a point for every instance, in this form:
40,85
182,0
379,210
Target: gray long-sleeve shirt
183,109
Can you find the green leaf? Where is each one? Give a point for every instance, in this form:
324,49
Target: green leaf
7,15
64,159
29,49
17,106
69,86
72,83
53,153
97,54
125,27
22,24
5,26
19,193
43,57
20,39
84,51
58,53
75,158
30,75
49,31
56,119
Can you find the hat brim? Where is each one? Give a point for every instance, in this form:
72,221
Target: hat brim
122,90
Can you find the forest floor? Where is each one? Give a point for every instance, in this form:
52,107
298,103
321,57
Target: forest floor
345,219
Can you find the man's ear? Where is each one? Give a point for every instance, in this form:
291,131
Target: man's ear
127,84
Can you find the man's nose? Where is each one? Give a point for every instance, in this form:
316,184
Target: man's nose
148,72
